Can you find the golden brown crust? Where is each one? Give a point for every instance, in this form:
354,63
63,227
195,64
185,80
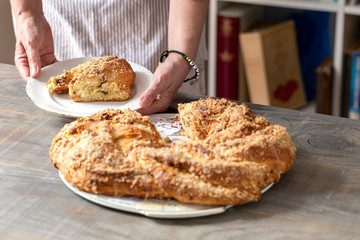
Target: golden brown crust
102,79
233,157
214,170
59,84
207,117
91,154
189,188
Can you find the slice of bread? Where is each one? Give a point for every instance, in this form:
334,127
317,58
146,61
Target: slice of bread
102,79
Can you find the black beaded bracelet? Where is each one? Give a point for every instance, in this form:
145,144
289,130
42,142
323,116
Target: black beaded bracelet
166,53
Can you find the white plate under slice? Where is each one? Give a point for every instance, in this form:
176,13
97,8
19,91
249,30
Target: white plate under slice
63,104
167,126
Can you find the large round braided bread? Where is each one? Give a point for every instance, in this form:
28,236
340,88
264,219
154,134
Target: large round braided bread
229,155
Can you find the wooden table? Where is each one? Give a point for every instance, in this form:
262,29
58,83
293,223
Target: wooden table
319,198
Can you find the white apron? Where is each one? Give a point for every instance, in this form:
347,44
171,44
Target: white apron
133,29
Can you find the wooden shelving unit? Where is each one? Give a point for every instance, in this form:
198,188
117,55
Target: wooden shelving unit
345,30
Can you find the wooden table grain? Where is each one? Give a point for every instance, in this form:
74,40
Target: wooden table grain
319,198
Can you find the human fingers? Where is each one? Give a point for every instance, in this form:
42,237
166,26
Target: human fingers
158,85
21,61
32,48
167,80
160,104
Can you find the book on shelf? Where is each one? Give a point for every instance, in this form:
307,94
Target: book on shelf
272,65
354,104
345,88
349,76
230,77
324,83
313,40
346,78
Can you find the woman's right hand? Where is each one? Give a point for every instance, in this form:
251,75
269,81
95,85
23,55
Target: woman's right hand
34,47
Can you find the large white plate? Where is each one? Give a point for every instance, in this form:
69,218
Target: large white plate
167,126
63,103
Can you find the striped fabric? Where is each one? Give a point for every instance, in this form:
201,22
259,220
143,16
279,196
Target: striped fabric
133,29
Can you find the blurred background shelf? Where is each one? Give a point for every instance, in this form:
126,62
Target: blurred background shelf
344,28
295,4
